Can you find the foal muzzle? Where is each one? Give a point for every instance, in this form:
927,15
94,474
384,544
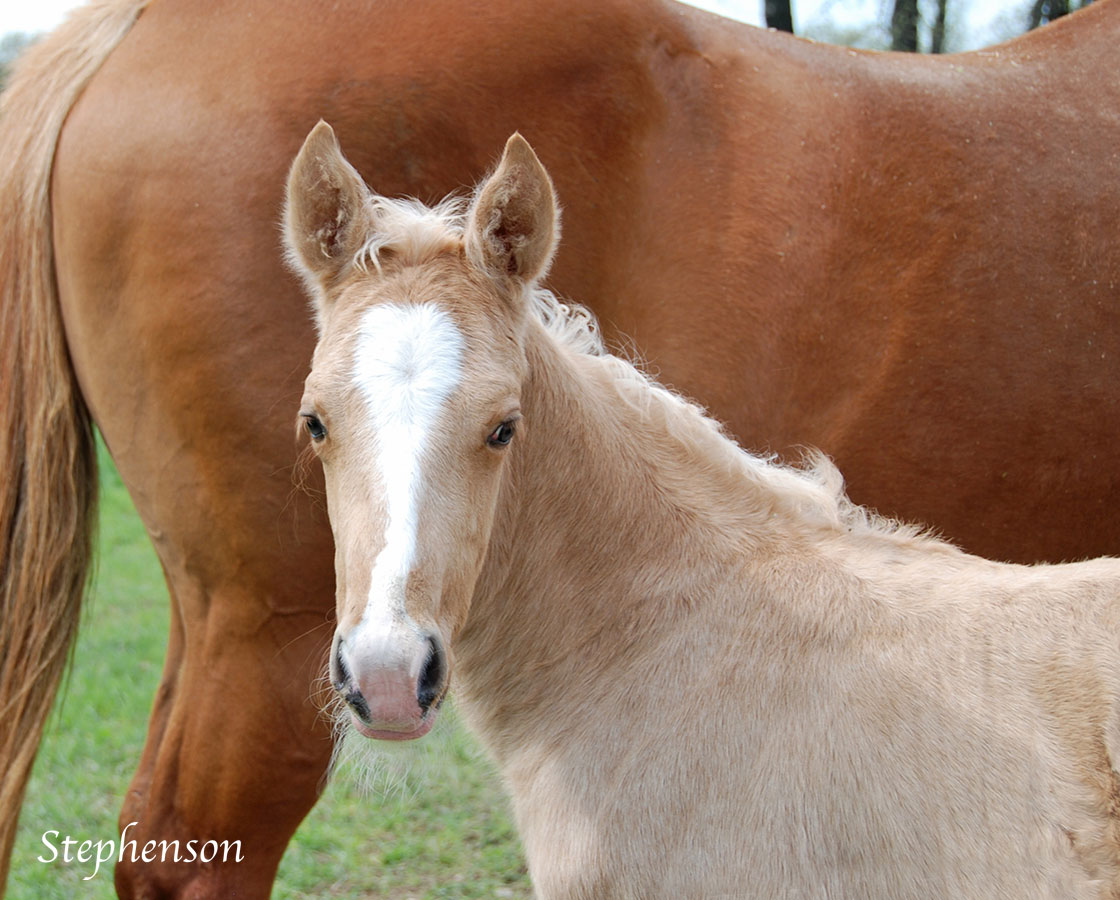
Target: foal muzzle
392,683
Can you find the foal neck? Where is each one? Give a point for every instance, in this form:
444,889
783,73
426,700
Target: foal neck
613,466
610,527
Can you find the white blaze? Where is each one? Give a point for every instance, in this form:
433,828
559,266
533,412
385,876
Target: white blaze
406,364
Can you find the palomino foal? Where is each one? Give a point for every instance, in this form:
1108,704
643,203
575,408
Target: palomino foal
702,674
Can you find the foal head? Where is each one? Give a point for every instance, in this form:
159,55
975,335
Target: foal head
412,405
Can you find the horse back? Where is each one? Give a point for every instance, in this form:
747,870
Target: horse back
860,252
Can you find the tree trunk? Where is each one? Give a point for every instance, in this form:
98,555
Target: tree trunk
937,39
779,15
1043,11
904,26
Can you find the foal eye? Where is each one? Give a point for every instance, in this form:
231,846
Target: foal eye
315,428
501,435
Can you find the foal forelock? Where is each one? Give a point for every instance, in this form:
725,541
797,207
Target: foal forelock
411,230
407,362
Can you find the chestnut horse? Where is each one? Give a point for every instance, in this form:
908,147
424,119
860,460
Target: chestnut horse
909,262
701,674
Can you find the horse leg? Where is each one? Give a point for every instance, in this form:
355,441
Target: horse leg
245,775
237,746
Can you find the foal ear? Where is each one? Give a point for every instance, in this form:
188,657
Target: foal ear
513,224
325,217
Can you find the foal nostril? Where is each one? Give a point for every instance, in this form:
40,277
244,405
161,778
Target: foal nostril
340,673
431,676
344,683
357,704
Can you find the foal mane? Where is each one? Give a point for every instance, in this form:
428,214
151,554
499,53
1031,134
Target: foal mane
812,492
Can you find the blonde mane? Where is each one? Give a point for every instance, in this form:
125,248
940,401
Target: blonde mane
813,491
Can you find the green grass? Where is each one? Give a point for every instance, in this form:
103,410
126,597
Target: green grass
433,825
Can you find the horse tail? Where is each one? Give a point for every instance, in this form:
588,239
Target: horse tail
48,466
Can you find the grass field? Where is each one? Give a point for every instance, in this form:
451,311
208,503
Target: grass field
433,825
